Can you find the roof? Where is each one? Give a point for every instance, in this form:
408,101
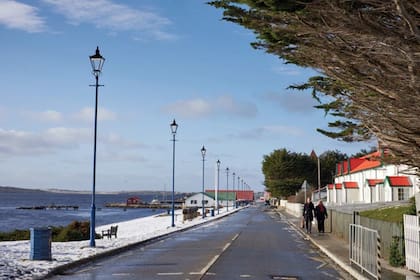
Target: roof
221,195
366,164
240,195
353,165
374,182
206,194
350,185
399,181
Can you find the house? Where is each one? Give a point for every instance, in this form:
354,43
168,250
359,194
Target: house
195,200
133,200
368,179
224,197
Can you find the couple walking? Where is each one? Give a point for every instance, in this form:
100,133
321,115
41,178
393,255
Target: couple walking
308,214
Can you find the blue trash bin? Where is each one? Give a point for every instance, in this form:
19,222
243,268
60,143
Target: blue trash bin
40,244
212,212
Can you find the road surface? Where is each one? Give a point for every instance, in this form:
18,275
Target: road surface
254,243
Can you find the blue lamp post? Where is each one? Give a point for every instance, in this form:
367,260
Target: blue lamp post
97,61
227,189
174,127
233,186
217,187
203,154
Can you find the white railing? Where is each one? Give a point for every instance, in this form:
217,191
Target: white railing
412,242
365,249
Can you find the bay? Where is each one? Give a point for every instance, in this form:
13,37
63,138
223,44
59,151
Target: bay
12,218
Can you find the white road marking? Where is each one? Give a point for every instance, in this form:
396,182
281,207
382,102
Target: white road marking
321,265
213,260
236,236
226,246
169,273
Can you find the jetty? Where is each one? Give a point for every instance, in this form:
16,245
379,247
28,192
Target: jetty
144,205
50,207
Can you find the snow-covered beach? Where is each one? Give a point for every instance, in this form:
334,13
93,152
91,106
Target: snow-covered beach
15,255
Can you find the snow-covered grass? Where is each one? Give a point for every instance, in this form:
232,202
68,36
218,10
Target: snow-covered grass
15,260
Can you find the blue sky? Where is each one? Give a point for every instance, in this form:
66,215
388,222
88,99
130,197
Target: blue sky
165,59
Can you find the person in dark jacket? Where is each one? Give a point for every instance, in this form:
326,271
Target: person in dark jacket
308,214
321,214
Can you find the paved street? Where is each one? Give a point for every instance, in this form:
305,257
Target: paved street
251,244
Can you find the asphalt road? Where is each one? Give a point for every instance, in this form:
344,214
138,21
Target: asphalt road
254,243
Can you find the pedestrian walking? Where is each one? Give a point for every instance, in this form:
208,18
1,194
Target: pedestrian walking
308,214
321,214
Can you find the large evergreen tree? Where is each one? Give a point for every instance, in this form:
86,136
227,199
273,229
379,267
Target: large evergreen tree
367,51
285,171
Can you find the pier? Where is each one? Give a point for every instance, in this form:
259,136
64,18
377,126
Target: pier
144,205
50,207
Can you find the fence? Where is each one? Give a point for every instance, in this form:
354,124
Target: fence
365,249
412,242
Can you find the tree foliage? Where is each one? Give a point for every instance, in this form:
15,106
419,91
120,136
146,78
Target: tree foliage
285,171
368,52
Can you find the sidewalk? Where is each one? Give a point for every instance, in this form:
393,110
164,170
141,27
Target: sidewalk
338,250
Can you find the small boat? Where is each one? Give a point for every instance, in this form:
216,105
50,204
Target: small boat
155,201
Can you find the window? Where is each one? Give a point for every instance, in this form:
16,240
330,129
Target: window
193,201
402,193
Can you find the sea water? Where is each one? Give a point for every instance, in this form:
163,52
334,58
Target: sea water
12,218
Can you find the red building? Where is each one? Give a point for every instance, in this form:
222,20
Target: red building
133,200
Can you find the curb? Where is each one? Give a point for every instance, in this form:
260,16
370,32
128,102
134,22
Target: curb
330,255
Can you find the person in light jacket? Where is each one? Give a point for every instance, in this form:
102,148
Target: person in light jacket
321,214
308,214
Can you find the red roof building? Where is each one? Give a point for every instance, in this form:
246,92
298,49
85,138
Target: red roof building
399,181
368,179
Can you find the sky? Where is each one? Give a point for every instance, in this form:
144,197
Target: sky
165,60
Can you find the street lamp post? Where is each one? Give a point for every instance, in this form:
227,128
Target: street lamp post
174,127
203,154
217,187
239,187
97,61
233,186
227,189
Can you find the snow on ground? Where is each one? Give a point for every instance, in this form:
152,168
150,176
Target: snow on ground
15,260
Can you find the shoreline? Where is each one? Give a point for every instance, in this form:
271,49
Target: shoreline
16,263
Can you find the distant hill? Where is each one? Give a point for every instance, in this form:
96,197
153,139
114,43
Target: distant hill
55,190
14,189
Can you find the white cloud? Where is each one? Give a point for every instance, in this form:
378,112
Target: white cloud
16,15
23,143
13,142
191,108
269,131
87,115
45,116
283,129
223,105
295,102
112,16
117,141
226,104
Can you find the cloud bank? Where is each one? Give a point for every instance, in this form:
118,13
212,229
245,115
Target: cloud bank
222,105
16,15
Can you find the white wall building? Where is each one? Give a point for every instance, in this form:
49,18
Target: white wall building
195,201
369,180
